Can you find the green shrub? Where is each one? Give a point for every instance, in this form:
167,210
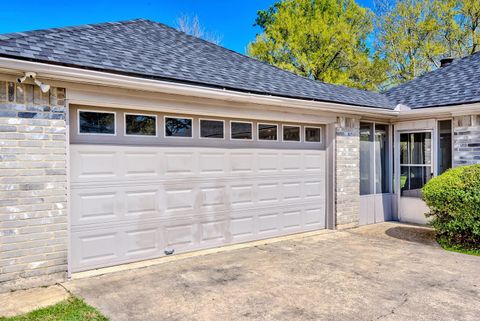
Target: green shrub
454,202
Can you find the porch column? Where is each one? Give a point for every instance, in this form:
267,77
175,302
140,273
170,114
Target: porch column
347,189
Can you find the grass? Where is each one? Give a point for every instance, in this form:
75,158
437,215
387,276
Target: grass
458,249
73,309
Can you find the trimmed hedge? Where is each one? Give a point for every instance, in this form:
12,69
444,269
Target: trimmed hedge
454,202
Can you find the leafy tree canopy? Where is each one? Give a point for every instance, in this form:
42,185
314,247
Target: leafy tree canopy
340,42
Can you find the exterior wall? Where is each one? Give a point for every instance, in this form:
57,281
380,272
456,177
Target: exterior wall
347,186
466,140
33,186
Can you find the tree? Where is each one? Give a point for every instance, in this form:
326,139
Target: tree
324,40
468,19
414,35
191,25
408,37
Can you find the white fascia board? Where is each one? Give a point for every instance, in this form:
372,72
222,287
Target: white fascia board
77,75
438,112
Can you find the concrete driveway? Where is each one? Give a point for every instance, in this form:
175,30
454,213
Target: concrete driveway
382,272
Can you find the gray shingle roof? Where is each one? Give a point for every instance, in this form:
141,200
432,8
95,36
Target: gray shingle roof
149,49
456,83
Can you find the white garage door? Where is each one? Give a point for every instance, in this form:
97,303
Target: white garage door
133,203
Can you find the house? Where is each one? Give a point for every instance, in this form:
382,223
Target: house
126,141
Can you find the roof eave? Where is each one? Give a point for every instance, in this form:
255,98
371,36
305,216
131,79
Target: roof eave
85,76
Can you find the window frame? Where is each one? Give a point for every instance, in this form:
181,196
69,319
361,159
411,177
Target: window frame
242,122
391,158
210,119
139,114
266,140
437,142
305,134
99,112
181,117
299,134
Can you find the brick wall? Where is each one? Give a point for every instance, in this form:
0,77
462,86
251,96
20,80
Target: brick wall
347,173
466,140
33,186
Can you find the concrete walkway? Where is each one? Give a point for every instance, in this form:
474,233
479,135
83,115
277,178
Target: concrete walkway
388,271
23,301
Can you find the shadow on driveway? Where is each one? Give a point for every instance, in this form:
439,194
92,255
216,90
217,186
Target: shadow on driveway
415,234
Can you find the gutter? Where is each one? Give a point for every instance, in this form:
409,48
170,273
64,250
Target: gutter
97,78
440,111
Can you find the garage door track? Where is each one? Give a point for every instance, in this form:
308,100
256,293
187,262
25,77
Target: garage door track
383,272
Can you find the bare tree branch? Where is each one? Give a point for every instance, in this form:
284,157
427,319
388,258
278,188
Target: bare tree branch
190,24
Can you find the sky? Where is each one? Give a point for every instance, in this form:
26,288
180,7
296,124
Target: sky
231,20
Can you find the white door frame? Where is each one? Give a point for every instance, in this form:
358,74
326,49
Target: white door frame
413,127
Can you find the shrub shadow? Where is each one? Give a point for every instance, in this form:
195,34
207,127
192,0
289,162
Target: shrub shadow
414,234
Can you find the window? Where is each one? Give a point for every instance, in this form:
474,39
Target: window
366,159
291,133
211,128
415,162
444,145
374,159
267,132
240,130
96,122
312,134
381,159
178,127
141,125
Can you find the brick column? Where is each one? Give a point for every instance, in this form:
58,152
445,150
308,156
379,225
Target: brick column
347,181
33,186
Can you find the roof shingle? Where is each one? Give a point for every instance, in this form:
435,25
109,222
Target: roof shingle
150,49
454,84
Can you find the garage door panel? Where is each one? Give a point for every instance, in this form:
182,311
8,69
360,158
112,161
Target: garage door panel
291,162
179,163
96,205
213,231
212,163
177,199
314,216
292,190
142,203
314,162
268,193
95,247
242,228
292,219
94,164
138,164
242,162
142,241
165,198
242,195
181,236
267,162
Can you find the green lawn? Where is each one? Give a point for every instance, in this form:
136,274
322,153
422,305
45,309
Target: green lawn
459,249
72,309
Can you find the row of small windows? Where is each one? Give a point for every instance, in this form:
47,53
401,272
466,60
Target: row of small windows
99,122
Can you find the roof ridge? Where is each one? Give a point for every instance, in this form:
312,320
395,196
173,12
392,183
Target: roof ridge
99,25
266,63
